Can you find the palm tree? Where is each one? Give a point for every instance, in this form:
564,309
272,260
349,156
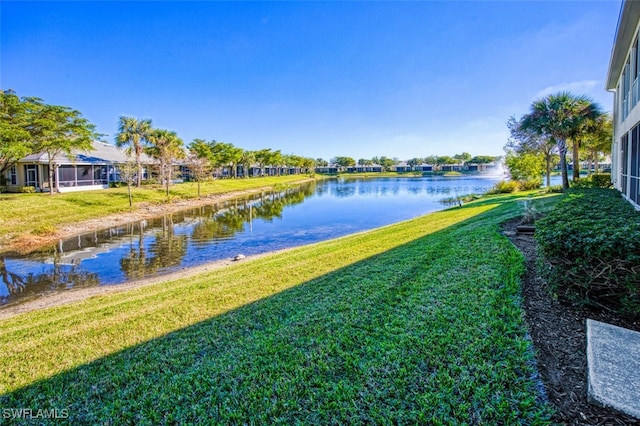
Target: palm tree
561,116
263,157
134,134
598,139
247,159
166,147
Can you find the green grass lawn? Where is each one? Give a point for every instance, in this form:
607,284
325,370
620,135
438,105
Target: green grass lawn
23,214
414,323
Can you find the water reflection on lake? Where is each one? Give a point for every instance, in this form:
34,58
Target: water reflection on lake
251,225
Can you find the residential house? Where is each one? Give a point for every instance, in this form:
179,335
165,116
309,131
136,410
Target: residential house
483,167
330,169
622,80
451,167
424,168
79,172
401,167
370,168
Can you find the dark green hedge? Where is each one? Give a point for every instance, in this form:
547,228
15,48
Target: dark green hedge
592,242
596,180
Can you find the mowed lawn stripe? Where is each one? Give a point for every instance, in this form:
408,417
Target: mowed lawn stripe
72,333
417,322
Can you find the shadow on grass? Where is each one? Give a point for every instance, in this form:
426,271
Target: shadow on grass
430,331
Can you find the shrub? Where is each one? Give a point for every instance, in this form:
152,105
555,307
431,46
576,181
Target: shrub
596,180
557,189
528,185
504,187
601,180
27,189
460,200
592,242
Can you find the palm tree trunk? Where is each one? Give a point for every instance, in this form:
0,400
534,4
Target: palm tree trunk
562,148
548,160
139,168
168,177
138,174
576,160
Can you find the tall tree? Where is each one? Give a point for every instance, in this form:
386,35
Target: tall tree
60,130
308,164
199,161
134,134
465,157
276,159
247,159
525,166
431,160
598,139
228,155
387,162
560,116
482,159
166,147
527,141
445,159
344,161
415,161
16,140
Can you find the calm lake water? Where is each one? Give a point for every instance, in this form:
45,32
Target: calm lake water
251,225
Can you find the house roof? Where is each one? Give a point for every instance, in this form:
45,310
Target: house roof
627,24
102,153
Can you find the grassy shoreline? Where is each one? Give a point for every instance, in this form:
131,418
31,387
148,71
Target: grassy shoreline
415,322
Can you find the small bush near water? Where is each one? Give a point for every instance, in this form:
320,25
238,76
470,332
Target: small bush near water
592,242
510,186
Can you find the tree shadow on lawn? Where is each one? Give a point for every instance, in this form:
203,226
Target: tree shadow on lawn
428,331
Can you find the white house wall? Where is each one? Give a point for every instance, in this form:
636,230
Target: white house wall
624,125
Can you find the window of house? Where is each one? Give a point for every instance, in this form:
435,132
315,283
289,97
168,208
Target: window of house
67,175
634,172
624,149
85,175
625,90
13,175
634,73
100,174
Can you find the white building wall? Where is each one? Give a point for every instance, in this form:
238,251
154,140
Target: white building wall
626,115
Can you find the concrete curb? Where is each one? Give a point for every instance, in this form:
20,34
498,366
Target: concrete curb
613,367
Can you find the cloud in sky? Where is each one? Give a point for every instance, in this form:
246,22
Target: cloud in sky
576,87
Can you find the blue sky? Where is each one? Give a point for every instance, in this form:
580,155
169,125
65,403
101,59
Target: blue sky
318,79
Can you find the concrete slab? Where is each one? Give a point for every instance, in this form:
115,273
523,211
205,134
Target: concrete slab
613,367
